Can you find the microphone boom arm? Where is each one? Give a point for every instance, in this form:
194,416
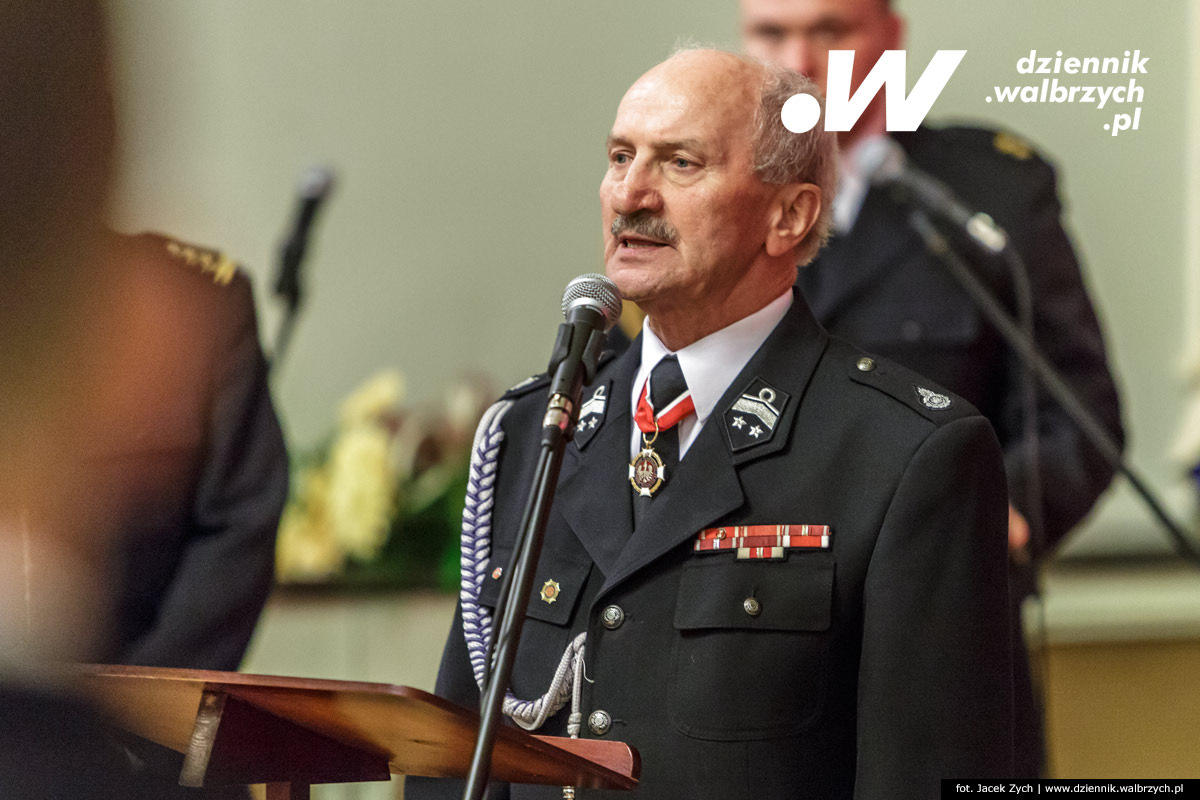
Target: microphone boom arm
1064,395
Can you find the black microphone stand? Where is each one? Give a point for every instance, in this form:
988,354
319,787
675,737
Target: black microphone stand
573,364
1033,359
289,286
290,289
283,336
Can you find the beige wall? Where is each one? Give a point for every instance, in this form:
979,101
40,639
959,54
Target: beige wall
468,137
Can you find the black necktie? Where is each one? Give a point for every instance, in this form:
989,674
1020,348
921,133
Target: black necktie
666,387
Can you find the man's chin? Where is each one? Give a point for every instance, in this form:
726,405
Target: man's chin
635,283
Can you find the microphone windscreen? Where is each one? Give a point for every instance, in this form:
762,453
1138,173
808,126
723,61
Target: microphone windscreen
597,291
316,183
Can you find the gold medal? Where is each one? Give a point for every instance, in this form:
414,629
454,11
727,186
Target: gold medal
647,471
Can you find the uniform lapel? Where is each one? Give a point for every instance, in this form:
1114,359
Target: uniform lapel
594,495
706,486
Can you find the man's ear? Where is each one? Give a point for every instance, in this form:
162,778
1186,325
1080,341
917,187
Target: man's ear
796,208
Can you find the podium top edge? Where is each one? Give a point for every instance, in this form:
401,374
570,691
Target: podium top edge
214,679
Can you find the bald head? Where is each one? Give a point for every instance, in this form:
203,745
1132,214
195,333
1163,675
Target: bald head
700,76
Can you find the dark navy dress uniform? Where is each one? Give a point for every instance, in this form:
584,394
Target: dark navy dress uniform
879,287
189,454
869,669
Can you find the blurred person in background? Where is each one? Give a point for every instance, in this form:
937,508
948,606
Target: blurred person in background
142,467
877,285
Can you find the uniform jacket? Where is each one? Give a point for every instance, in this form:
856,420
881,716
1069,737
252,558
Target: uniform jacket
198,557
872,668
878,287
182,456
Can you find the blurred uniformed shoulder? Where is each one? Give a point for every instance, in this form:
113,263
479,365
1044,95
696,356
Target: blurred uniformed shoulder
995,171
205,264
902,385
999,149
178,289
1002,145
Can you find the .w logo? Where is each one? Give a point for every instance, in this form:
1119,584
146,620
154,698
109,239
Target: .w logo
842,109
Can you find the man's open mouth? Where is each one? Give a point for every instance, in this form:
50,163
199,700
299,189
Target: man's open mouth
641,243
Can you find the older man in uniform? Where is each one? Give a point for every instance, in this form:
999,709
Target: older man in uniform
877,286
776,565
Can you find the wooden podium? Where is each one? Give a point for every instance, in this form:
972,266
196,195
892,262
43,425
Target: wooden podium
289,733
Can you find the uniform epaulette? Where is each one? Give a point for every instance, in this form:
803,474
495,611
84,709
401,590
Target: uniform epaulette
542,380
526,386
213,263
1012,145
1001,144
920,394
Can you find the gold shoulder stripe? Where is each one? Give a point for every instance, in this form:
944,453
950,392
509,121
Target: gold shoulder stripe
217,264
1013,146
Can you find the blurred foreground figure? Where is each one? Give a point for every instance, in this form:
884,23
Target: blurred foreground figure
55,153
55,158
142,469
776,566
878,286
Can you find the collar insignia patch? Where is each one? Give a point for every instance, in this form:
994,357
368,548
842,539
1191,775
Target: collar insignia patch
753,417
591,414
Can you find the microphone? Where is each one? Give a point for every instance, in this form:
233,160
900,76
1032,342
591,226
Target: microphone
883,163
591,306
315,187
594,298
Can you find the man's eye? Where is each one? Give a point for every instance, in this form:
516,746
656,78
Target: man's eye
682,163
768,34
620,158
830,33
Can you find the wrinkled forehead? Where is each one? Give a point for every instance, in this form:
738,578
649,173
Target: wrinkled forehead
694,96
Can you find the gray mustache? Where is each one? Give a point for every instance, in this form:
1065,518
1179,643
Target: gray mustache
644,224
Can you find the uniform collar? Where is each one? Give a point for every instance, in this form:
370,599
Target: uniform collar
710,364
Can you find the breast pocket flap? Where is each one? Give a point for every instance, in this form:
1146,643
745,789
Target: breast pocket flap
718,592
557,585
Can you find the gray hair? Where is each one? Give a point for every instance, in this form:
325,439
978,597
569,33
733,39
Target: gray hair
781,156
